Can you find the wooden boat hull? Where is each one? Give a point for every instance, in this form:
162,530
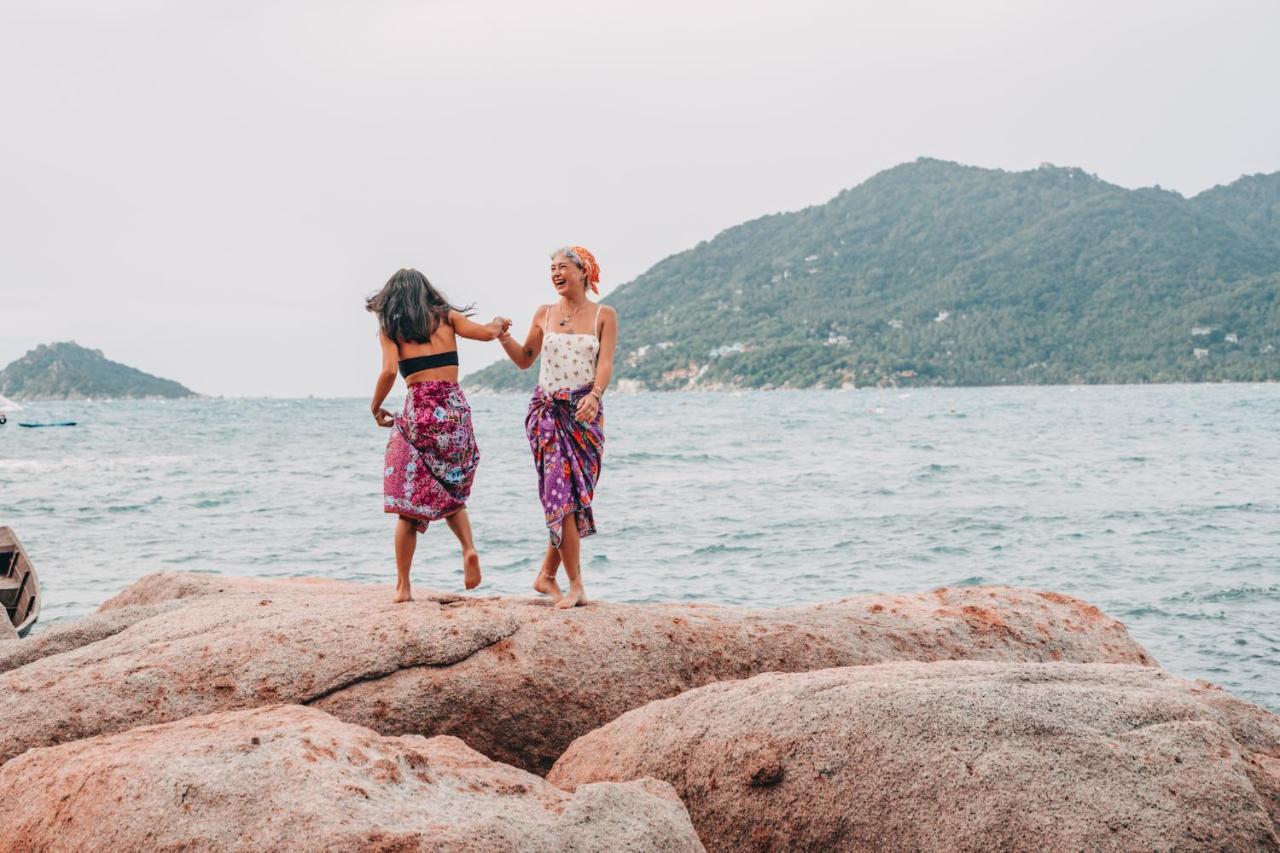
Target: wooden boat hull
19,585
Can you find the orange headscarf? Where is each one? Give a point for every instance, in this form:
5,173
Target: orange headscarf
590,268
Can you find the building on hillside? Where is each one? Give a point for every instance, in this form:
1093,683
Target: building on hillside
728,349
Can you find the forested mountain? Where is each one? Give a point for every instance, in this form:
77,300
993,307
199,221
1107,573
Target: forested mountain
68,371
937,273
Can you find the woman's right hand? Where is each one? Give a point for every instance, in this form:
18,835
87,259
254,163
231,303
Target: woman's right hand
501,325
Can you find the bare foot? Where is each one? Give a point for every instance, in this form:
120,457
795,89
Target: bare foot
402,594
577,595
548,586
471,569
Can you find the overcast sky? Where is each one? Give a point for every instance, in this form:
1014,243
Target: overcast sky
207,190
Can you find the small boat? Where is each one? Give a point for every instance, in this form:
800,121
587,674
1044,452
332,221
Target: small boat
19,586
49,424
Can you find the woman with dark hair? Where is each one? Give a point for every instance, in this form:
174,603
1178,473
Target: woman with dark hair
431,454
565,423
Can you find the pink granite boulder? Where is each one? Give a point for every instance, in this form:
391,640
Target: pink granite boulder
290,778
954,755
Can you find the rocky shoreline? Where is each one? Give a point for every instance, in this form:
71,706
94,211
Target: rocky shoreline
197,711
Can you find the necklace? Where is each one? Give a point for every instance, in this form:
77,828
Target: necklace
564,319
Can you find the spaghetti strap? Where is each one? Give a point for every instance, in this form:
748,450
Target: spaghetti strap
546,320
595,324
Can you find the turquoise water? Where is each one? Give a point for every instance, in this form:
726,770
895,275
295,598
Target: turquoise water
1160,504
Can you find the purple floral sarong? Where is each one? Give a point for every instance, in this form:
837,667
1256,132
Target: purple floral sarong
567,455
431,454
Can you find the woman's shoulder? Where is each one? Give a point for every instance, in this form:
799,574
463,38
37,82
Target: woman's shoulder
446,325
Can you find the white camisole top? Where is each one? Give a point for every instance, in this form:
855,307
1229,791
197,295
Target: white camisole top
568,359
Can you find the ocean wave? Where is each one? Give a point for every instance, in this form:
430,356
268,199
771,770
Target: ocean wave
952,550
133,507
1234,593
708,550
933,470
1152,610
90,463
636,456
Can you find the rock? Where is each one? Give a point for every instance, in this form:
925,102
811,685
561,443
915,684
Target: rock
954,755
64,636
524,699
7,632
271,643
153,594
286,777
515,678
161,587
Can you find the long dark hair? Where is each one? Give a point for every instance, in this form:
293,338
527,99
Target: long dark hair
409,309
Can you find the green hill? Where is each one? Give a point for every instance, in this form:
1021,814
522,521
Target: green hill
68,371
942,274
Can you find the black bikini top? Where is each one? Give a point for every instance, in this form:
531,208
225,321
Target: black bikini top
410,366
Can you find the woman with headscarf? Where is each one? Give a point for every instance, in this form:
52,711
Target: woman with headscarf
565,424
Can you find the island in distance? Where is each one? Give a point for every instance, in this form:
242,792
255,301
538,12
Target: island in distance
68,371
934,273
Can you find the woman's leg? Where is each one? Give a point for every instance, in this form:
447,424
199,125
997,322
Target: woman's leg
460,524
406,543
569,550
545,582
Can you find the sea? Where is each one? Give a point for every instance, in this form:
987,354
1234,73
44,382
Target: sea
1159,503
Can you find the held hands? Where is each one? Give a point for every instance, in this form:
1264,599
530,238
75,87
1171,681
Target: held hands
383,417
499,325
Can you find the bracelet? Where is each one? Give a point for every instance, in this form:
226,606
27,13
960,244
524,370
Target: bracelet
599,397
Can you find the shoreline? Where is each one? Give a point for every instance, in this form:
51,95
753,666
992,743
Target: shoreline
717,390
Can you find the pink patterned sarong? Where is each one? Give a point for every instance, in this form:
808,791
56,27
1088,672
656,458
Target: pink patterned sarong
431,454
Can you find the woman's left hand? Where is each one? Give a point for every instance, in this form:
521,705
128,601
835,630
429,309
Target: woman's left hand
384,418
588,408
